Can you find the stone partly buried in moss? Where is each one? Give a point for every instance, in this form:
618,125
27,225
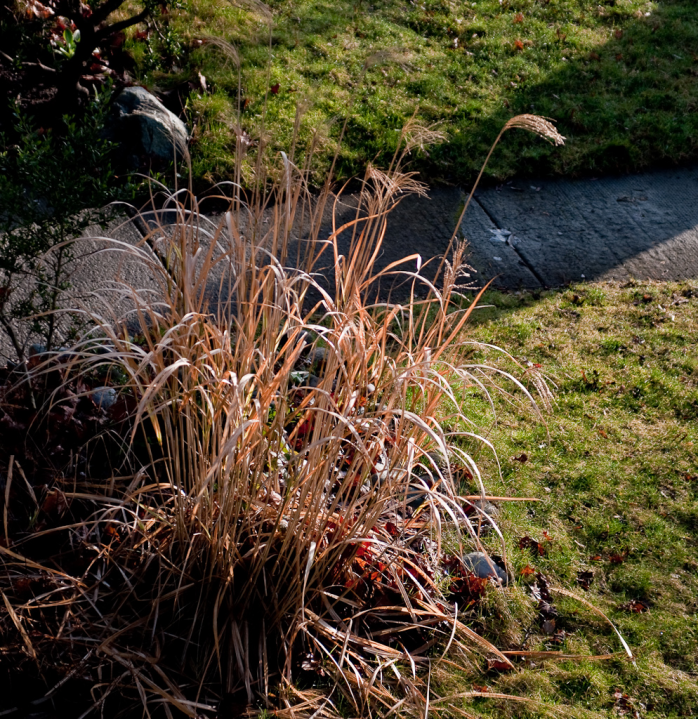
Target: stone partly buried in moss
481,566
146,129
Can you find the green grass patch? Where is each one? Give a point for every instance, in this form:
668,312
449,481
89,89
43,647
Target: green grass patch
617,470
620,77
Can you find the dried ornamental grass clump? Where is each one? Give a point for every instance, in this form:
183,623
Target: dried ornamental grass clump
278,540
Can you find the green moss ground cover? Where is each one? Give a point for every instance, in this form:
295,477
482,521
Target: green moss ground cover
617,470
620,77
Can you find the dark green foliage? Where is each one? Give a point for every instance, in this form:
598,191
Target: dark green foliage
50,181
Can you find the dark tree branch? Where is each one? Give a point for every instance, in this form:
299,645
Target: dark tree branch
122,25
103,11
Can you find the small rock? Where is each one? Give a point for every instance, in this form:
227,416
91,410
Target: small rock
317,357
479,565
104,397
157,132
36,349
487,507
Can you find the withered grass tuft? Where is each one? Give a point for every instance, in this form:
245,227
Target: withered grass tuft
283,521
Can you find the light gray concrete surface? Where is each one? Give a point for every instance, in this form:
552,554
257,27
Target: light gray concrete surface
639,226
103,273
548,233
524,234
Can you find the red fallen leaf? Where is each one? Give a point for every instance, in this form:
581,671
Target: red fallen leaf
275,89
618,558
618,34
518,45
635,606
482,690
547,537
55,502
596,558
529,543
117,40
468,588
603,434
392,529
526,571
518,17
23,586
110,531
142,35
364,550
523,458
594,56
498,666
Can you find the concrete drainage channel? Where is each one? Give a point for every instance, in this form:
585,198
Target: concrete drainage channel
524,234
533,234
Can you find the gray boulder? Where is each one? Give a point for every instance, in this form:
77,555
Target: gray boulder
144,125
481,566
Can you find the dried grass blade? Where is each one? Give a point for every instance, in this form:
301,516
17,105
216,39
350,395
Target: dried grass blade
8,485
560,655
596,610
20,628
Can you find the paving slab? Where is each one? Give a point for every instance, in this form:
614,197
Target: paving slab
640,226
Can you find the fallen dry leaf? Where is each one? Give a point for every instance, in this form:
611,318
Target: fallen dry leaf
498,666
529,543
585,579
635,606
